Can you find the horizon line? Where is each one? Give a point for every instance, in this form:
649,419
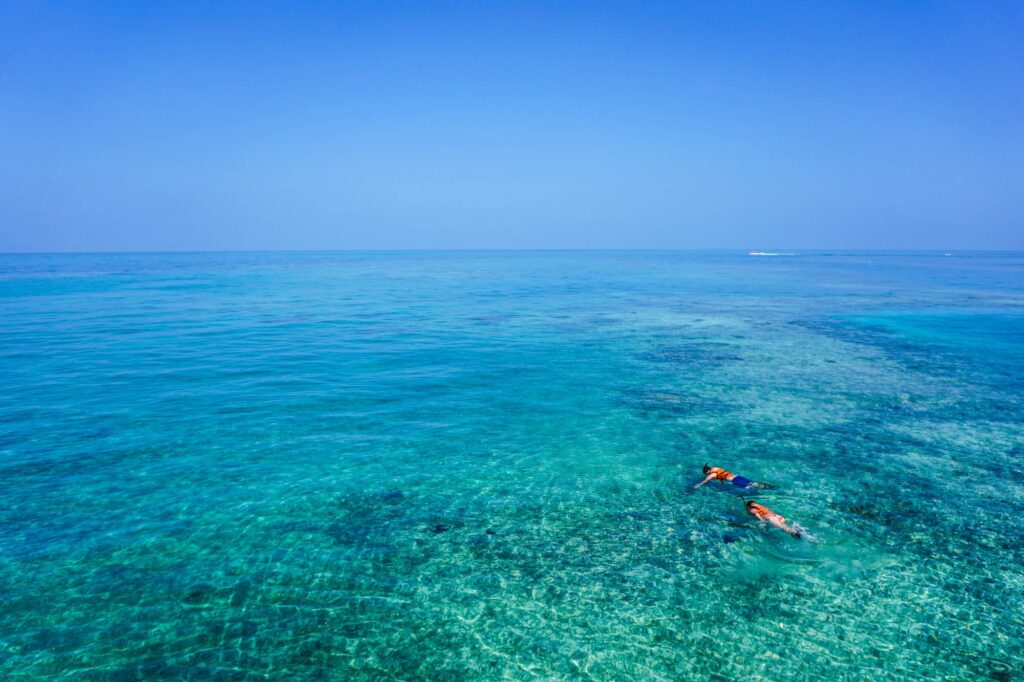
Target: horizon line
748,251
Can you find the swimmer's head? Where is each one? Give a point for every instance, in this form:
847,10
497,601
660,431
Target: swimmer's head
749,504
707,469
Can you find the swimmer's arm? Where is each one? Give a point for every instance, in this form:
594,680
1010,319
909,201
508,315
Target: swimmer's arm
709,477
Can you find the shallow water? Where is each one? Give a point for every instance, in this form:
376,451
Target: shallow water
480,466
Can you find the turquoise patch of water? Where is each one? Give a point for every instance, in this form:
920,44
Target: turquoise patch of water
480,465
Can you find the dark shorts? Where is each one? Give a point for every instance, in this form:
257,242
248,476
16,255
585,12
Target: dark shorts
741,482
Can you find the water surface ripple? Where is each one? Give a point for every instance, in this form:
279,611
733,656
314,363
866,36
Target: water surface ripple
480,465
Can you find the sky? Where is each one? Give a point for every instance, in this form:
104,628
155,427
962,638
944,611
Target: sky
177,126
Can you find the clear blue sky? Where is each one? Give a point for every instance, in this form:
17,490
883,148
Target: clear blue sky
179,126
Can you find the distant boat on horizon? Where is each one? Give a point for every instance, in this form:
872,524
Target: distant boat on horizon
768,253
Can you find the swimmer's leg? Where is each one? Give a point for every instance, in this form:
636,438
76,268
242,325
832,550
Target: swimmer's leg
801,533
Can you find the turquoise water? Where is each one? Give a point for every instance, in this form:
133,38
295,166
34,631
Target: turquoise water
480,466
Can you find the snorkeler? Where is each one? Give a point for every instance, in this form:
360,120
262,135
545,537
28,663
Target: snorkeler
717,474
766,515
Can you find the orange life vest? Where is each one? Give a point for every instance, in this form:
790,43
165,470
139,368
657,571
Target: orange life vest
762,512
720,474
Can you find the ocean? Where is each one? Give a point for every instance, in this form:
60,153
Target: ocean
480,465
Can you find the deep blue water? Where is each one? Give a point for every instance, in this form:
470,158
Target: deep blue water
480,465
